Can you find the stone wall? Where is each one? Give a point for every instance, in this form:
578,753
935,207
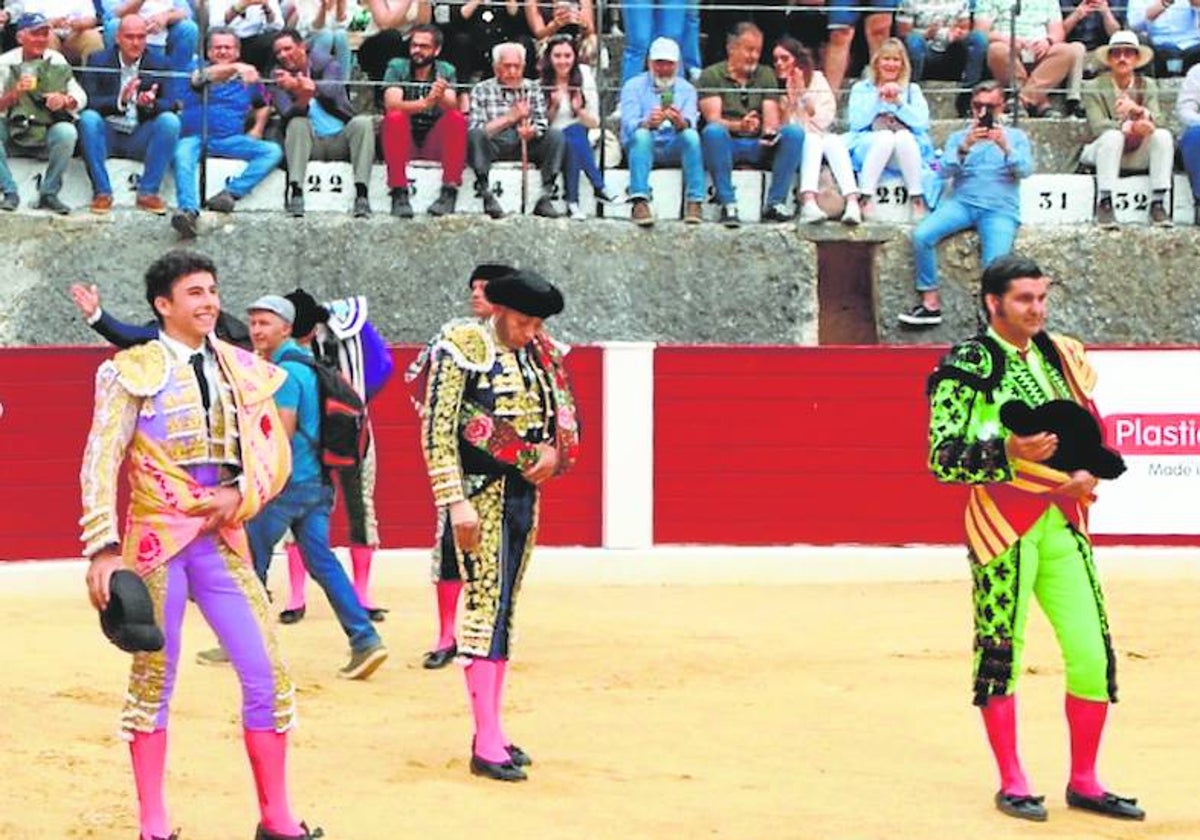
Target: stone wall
672,283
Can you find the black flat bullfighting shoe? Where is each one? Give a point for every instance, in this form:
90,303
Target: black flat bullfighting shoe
1108,804
440,658
519,757
292,616
1022,807
309,834
500,771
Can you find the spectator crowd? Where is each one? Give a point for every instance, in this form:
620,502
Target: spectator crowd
466,84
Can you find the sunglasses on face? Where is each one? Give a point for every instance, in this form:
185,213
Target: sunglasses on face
1117,52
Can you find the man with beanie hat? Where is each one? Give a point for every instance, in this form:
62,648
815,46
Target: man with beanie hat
498,420
339,335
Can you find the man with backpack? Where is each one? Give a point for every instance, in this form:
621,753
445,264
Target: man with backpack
344,340
306,402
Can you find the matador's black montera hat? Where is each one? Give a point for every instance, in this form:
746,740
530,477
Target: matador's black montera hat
128,620
527,292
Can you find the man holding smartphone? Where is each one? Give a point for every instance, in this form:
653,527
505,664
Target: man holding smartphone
985,162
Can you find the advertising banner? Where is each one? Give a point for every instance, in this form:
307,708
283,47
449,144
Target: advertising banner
1150,401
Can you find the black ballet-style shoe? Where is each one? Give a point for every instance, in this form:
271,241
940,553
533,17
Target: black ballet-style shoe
292,616
500,771
439,658
1108,804
519,757
377,614
173,836
309,834
1022,807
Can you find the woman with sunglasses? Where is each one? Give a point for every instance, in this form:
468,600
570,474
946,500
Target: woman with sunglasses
809,103
889,124
570,91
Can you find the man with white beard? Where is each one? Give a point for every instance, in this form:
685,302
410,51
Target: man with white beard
659,115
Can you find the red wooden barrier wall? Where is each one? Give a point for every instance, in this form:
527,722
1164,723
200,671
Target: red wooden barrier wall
783,445
47,396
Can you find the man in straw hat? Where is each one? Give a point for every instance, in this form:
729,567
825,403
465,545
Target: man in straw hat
498,420
1123,114
1026,528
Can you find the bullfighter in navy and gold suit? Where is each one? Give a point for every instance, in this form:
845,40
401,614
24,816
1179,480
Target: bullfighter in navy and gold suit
194,421
497,421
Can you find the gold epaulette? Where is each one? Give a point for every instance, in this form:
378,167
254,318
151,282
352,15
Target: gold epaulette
143,370
1074,359
469,344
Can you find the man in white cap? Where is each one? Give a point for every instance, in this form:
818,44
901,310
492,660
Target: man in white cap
659,114
306,502
1123,114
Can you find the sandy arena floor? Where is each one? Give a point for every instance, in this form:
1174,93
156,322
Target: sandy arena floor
658,701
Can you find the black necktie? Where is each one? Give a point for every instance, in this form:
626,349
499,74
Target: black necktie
202,380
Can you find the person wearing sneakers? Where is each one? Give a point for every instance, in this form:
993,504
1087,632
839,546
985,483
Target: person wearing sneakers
306,502
1123,117
422,121
498,420
572,106
985,162
192,420
446,578
508,112
339,335
39,89
659,114
126,117
234,97
1026,527
809,103
739,100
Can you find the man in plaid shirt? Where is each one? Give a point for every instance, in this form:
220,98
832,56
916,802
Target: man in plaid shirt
506,110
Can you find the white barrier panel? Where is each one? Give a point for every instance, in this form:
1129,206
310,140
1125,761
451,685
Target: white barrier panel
666,193
1184,204
1131,200
268,195
76,191
891,202
328,187
505,181
748,187
1058,199
1150,401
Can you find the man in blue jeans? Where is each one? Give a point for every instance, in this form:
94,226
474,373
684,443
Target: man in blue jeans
1187,109
985,162
128,115
306,502
739,100
659,113
234,93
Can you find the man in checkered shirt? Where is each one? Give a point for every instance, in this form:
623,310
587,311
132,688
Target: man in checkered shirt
505,110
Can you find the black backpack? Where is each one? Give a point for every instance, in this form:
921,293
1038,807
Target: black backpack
343,414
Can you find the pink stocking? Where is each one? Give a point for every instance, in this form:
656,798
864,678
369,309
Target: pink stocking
296,577
360,562
149,753
447,600
482,677
501,675
1085,719
268,761
1000,720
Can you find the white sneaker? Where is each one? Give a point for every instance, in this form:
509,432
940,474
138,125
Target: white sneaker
811,214
852,215
574,211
